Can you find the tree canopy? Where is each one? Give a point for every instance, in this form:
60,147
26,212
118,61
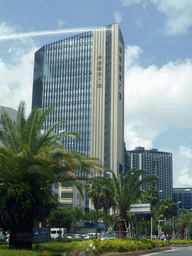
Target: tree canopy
30,162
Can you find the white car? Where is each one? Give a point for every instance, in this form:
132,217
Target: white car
108,236
84,236
77,236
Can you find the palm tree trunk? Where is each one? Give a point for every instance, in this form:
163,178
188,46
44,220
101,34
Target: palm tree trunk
105,210
96,223
21,237
121,226
141,224
137,224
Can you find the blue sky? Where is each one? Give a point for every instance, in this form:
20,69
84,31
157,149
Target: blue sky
158,64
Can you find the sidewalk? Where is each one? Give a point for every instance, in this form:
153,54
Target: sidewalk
137,253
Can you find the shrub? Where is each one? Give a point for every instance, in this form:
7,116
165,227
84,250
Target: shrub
185,241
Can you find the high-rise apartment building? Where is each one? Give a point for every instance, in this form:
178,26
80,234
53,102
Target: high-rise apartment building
155,163
82,78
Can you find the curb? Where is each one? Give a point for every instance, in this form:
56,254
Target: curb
180,245
137,253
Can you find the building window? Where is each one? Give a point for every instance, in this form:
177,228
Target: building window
120,96
67,184
66,195
67,206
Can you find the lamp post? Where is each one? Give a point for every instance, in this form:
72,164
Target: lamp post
160,191
174,222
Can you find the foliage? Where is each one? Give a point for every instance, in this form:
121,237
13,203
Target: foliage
167,209
94,192
184,220
91,215
126,245
184,241
77,215
151,195
30,163
61,217
126,192
111,245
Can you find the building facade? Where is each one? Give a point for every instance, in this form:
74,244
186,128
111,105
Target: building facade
82,79
183,198
155,163
12,114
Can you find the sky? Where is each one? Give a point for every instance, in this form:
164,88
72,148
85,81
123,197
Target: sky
158,63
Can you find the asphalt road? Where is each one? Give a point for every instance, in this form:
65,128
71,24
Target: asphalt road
175,251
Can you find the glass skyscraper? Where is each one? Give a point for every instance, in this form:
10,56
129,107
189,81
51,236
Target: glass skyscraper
82,79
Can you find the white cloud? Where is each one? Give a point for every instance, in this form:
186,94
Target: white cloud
185,152
128,2
16,71
182,167
155,99
61,23
178,12
117,16
132,55
179,15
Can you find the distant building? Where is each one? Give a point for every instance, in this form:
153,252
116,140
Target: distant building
156,163
82,78
183,198
12,114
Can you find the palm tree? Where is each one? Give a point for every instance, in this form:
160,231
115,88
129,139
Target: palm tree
151,195
30,163
108,195
95,193
167,209
126,192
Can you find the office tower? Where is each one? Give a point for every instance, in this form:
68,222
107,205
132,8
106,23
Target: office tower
156,163
82,78
183,198
12,114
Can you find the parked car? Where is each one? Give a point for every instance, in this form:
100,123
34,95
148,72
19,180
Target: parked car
70,236
56,231
41,235
85,236
77,236
108,236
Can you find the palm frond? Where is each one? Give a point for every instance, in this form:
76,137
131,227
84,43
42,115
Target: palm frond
8,134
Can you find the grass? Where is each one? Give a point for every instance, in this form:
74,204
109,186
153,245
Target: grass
55,248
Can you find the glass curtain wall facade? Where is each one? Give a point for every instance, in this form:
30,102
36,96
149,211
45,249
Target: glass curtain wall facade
62,81
156,163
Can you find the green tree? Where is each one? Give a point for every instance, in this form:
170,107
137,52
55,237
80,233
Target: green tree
184,221
61,217
167,209
150,195
77,214
95,193
91,216
126,192
108,195
30,163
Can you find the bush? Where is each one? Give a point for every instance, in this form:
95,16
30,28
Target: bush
185,241
126,245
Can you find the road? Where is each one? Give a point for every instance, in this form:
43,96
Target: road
175,251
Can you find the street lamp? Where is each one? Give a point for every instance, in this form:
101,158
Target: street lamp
174,222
